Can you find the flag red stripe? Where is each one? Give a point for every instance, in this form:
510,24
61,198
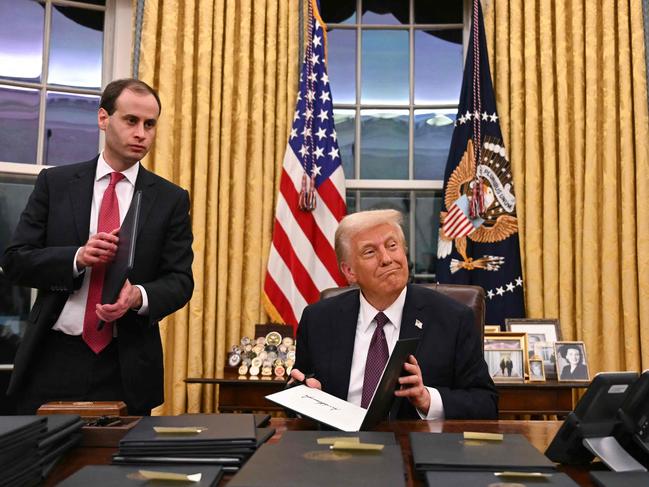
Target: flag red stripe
276,296
301,276
331,197
310,227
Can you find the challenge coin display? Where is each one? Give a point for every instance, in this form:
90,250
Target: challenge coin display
270,355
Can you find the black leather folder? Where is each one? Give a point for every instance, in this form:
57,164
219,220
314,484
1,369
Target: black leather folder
220,429
312,437
450,451
60,427
126,476
298,461
620,479
118,270
487,479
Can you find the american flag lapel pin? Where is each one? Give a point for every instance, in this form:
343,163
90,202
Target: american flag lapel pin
419,324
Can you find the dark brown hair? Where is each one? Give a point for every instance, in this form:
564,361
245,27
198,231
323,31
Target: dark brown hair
115,88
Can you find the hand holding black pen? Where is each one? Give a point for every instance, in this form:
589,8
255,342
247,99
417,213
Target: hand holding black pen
298,378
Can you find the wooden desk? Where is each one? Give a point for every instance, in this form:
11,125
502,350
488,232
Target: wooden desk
537,398
540,433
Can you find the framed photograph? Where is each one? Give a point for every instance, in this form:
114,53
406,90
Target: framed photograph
505,340
538,330
572,364
545,352
492,328
506,365
537,371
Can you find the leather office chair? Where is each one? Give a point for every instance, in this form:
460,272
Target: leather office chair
471,296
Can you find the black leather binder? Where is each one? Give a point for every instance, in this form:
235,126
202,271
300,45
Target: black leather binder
297,461
126,475
220,429
487,479
118,270
450,451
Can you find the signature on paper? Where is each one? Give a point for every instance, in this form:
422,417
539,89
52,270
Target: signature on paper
320,403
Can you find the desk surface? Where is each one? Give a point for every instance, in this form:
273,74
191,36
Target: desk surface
540,433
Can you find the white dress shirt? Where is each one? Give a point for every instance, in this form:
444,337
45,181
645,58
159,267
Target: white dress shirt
364,330
72,316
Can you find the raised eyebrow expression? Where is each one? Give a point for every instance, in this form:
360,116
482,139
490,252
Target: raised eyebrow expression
369,249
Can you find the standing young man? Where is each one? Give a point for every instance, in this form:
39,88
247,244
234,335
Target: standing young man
68,235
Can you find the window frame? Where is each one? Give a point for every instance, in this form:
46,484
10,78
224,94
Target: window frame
117,63
415,187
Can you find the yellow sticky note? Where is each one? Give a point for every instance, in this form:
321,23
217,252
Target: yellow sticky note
178,430
157,475
523,474
350,445
330,440
476,435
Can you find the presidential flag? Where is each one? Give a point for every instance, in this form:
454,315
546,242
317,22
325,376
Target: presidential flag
311,199
478,235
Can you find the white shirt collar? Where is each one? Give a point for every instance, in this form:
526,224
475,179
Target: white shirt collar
394,312
103,169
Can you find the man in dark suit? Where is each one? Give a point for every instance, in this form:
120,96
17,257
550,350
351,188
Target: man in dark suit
337,338
65,239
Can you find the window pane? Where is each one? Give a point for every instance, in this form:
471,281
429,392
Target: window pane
385,72
76,40
18,124
350,200
378,200
433,132
21,39
384,144
427,208
341,65
387,18
438,69
71,132
345,121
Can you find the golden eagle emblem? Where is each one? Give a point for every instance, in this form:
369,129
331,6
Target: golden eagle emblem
498,219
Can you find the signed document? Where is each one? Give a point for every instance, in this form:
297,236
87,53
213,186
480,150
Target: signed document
344,415
321,406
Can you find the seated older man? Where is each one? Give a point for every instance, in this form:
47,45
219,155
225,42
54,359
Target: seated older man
344,340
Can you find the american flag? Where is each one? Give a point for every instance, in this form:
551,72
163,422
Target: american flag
311,199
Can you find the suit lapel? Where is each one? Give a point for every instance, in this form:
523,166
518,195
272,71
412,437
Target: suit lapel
80,194
344,333
412,318
146,183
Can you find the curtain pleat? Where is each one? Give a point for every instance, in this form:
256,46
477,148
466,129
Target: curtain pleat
570,81
227,75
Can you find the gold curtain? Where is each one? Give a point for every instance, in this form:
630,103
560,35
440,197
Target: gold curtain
227,75
571,92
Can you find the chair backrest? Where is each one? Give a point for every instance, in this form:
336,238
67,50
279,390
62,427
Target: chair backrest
471,296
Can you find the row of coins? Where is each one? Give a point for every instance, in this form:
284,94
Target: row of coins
269,355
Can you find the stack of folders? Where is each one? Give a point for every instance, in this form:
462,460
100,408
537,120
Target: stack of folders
227,440
127,475
19,458
63,432
303,458
456,459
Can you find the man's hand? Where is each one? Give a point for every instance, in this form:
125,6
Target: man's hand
99,249
412,386
297,375
129,297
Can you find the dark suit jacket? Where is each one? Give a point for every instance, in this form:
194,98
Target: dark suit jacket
449,353
580,373
55,223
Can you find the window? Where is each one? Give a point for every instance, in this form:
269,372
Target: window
55,56
395,69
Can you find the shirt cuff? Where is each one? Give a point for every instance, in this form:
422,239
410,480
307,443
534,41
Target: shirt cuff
144,309
436,409
75,271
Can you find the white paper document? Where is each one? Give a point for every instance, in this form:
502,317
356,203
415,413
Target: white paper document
321,406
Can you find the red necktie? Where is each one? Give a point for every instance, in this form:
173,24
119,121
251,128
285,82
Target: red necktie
377,357
108,221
